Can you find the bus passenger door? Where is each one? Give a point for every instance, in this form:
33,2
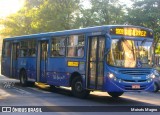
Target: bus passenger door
96,62
14,57
42,61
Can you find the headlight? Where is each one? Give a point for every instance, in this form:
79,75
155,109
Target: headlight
111,75
152,76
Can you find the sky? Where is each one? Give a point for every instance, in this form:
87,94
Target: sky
9,6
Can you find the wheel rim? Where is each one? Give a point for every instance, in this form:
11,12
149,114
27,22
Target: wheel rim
78,86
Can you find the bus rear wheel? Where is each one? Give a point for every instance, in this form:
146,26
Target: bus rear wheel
77,88
23,78
115,94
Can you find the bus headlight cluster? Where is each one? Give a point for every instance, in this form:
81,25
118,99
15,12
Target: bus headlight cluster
111,75
151,76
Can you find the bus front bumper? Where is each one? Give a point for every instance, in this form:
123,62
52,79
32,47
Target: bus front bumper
110,85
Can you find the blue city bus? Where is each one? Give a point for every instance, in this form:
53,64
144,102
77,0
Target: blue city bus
111,58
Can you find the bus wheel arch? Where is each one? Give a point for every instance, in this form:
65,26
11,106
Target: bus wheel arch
76,83
23,77
74,75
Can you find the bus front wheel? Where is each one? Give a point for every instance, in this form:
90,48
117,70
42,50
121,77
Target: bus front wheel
53,88
156,87
115,94
23,78
77,88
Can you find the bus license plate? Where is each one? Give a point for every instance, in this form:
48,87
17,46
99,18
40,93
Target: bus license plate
135,86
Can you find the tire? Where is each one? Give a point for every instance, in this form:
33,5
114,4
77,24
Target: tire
53,88
115,94
77,89
31,84
156,87
23,78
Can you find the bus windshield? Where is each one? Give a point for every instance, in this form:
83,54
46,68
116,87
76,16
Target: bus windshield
130,53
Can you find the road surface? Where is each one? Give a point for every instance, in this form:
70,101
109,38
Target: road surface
13,94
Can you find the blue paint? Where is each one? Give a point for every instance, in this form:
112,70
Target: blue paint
58,73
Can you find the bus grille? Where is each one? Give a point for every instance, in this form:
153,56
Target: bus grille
135,72
134,80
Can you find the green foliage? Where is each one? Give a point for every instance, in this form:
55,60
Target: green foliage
21,22
38,16
102,12
41,16
146,13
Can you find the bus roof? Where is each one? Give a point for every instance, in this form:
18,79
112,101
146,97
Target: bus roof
74,31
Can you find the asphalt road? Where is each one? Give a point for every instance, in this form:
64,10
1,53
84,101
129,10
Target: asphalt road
12,94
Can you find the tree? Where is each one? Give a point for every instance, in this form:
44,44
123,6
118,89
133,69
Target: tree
102,12
146,13
20,23
58,14
39,16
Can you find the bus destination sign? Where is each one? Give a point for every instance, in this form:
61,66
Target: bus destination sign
136,32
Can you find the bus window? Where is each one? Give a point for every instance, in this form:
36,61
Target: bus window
122,53
32,48
7,49
80,51
27,48
23,48
32,52
75,46
130,53
71,52
16,51
44,50
58,47
23,53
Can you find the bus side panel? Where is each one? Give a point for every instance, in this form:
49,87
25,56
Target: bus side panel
29,65
14,69
5,66
56,72
31,68
79,66
21,64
